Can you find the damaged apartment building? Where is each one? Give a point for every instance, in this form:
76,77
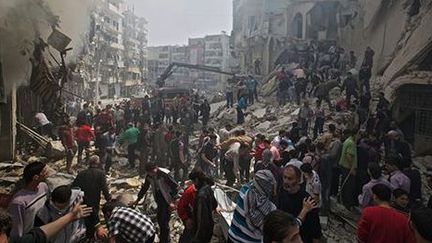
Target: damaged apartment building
265,29
115,58
398,31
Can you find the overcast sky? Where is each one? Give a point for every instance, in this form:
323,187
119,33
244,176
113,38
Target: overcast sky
173,21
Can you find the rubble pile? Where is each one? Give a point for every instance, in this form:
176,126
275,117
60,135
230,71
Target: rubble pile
263,117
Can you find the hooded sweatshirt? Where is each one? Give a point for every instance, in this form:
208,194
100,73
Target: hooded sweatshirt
74,231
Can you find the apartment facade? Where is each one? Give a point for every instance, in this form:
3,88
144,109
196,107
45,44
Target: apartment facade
264,29
116,61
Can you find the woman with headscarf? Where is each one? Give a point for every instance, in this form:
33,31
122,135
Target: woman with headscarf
253,204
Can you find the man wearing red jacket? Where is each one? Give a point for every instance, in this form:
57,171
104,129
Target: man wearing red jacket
185,208
382,223
84,134
67,138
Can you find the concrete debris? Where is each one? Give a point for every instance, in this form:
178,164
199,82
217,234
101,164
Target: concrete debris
263,127
55,150
270,87
59,179
260,113
10,166
126,183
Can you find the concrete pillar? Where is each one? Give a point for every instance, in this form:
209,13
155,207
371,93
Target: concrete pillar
8,127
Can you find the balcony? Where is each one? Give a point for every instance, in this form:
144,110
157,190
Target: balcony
115,10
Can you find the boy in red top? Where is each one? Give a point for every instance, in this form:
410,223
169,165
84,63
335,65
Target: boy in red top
84,134
67,138
382,223
185,206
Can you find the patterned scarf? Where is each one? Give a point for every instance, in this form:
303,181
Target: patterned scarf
257,203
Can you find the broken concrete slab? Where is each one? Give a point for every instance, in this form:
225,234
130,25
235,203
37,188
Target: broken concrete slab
295,112
59,179
126,183
216,106
11,166
264,126
56,150
260,113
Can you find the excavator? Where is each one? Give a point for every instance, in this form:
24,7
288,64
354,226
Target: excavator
174,65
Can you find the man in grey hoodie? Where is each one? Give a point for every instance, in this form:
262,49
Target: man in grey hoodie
62,201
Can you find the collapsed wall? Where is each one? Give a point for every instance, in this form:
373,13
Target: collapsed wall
399,33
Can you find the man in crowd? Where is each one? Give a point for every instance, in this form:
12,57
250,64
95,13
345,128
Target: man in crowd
241,107
205,112
27,201
130,137
204,207
421,223
366,69
374,225
400,201
84,135
280,226
66,135
208,156
348,165
229,92
397,178
44,233
45,126
178,157
253,205
61,202
350,87
395,145
105,144
85,116
185,207
293,199
92,182
375,173
164,191
304,117
127,225
251,85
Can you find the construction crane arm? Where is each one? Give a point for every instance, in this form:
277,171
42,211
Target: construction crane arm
170,69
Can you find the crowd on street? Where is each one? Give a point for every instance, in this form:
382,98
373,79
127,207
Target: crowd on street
286,182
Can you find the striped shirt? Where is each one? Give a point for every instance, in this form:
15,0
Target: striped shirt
240,230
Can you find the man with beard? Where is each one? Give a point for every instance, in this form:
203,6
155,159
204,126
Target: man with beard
291,199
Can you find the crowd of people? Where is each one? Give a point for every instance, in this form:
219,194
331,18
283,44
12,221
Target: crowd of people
285,182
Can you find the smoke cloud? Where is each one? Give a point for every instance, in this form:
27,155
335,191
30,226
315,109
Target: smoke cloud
24,21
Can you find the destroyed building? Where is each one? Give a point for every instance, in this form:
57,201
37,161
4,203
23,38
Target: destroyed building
116,58
399,32
266,32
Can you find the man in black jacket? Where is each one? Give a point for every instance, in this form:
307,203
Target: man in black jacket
395,145
204,207
292,197
165,191
92,182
